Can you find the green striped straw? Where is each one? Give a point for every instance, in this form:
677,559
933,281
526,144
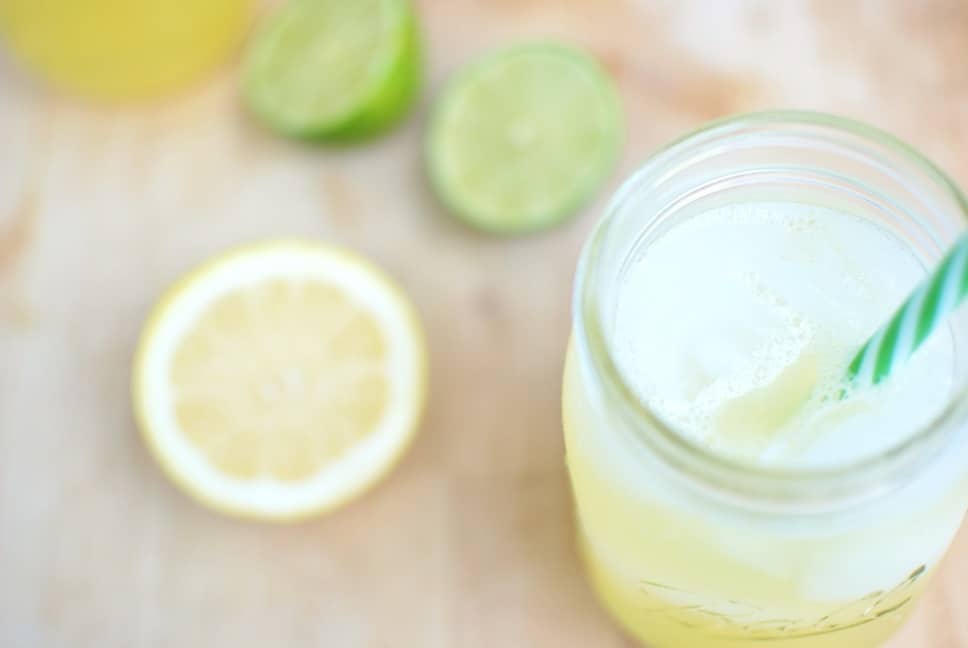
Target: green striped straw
933,299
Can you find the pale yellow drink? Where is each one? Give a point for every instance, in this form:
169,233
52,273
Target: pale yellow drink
726,495
123,49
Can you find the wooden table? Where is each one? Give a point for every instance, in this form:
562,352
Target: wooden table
469,542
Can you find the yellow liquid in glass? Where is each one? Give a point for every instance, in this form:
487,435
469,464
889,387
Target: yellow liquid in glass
123,49
677,575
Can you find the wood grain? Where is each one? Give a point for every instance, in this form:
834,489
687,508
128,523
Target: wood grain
469,543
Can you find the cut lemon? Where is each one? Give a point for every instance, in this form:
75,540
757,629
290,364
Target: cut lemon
521,139
333,69
280,380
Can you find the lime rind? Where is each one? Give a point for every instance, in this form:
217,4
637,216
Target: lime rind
396,96
370,82
472,116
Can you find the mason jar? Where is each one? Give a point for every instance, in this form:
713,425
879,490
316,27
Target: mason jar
687,546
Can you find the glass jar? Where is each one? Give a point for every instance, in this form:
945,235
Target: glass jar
688,547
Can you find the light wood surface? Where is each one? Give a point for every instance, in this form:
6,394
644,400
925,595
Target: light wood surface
469,543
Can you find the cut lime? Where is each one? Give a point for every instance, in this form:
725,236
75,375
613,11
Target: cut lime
333,69
521,139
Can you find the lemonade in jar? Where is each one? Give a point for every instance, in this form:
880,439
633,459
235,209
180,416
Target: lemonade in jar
731,489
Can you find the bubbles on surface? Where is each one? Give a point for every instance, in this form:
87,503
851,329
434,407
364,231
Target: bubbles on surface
736,327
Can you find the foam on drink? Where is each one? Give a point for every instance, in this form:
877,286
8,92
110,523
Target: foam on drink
736,327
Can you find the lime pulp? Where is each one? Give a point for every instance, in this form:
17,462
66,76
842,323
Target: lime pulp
523,138
331,69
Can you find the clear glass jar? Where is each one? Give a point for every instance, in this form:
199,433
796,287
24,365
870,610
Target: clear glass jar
689,548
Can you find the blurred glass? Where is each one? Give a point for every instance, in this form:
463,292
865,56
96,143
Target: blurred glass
123,49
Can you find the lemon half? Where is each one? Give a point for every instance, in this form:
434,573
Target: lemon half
279,380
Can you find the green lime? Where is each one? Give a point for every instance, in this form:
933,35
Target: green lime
521,139
333,69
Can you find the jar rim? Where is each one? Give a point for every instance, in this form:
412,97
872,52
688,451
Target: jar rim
806,488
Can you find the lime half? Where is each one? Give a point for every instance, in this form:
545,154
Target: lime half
334,69
521,139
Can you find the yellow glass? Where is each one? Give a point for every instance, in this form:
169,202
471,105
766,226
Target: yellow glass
123,49
687,548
